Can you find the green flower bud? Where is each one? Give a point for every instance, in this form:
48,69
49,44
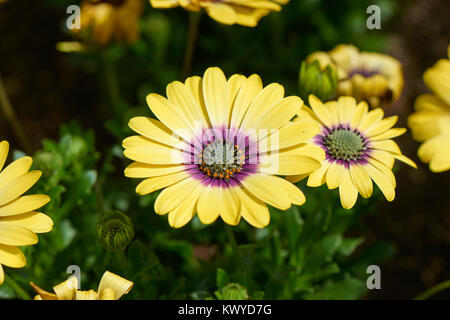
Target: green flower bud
48,162
314,80
115,231
232,291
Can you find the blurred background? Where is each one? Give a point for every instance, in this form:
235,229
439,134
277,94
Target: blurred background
48,88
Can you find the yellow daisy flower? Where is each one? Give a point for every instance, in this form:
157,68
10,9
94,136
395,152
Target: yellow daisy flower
431,121
111,287
369,76
244,12
19,222
111,19
358,148
217,148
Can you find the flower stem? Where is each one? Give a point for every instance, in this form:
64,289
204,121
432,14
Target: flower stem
432,291
231,239
194,22
17,288
112,85
12,119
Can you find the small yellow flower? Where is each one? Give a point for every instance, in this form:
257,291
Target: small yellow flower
244,12
431,121
218,147
19,222
111,287
366,76
358,148
106,20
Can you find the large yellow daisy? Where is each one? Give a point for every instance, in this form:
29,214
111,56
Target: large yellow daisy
367,76
19,222
218,147
358,148
243,12
431,121
111,287
107,20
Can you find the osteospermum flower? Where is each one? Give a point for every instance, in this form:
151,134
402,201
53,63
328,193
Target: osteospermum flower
111,287
431,121
358,148
19,222
107,20
373,77
218,147
243,12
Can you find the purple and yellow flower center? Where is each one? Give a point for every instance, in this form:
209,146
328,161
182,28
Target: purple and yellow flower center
343,144
224,157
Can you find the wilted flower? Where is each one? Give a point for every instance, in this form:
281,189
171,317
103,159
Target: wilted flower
243,12
106,20
111,287
367,76
431,121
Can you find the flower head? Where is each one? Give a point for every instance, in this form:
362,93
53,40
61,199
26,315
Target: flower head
217,147
431,121
115,231
243,12
366,76
358,148
106,20
19,222
111,287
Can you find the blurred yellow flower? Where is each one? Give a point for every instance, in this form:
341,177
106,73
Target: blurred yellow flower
244,12
358,148
218,147
111,287
19,222
111,20
431,121
366,76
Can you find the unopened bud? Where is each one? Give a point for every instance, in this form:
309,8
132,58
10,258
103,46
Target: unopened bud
321,82
115,231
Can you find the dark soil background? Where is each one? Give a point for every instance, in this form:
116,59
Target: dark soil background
46,91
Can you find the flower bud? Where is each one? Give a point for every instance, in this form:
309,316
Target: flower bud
317,81
115,231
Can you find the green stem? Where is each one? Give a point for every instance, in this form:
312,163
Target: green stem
13,120
112,85
122,259
231,239
432,291
194,22
17,288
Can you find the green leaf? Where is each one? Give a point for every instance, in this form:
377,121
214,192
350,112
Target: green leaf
222,278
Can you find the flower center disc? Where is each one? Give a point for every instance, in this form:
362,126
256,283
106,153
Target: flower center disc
345,144
221,159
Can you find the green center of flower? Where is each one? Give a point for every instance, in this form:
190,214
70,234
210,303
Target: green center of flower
221,159
345,144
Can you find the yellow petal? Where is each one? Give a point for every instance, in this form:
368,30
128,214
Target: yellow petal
119,285
389,134
347,191
222,13
360,113
277,115
370,119
320,110
4,147
245,96
268,97
381,126
154,129
34,221
86,295
14,170
346,108
11,257
287,163
155,183
361,180
216,92
171,197
18,186
253,210
42,294
145,170
235,83
2,275
67,289
194,84
231,206
13,235
318,177
210,204
382,181
24,204
334,175
141,149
